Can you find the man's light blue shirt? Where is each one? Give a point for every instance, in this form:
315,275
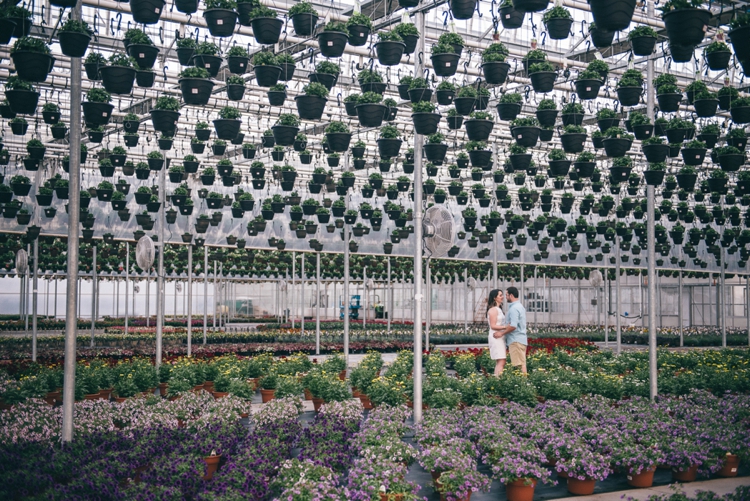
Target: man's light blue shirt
516,317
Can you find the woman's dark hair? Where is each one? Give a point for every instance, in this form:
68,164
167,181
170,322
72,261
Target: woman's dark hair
492,297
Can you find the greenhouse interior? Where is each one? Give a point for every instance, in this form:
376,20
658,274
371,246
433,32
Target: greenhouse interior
374,250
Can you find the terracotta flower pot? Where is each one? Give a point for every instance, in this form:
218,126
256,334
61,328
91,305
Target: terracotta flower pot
643,479
267,395
342,375
356,393
366,403
254,381
163,389
581,487
198,388
443,497
520,490
120,400
92,396
308,395
686,475
208,386
562,474
384,496
317,403
212,464
219,394
731,464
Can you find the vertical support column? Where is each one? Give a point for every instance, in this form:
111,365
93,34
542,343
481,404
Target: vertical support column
419,21
617,291
34,298
536,299
93,295
747,311
364,296
650,194
127,273
205,293
317,303
466,301
54,314
389,292
723,297
428,306
160,291
679,307
578,281
302,293
346,300
606,306
294,277
74,206
189,292
216,289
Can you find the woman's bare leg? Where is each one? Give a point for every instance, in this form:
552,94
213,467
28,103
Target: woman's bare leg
499,366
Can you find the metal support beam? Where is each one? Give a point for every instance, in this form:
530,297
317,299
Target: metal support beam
93,295
189,318
650,195
205,293
617,294
317,303
679,307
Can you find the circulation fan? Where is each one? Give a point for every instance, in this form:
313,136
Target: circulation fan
438,232
145,252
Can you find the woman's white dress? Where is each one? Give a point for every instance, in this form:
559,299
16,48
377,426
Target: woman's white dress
497,345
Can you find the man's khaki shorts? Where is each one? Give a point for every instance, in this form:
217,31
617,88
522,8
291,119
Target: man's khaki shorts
517,352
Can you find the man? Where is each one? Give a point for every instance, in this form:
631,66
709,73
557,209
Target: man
515,330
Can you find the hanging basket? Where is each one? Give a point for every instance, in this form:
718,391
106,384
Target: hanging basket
478,130
524,136
74,44
23,102
146,11
655,153
706,108
573,142
601,38
389,147
97,113
463,9
559,28
186,6
117,79
237,64
495,73
389,53
740,114
543,81
339,141
530,5
588,89
425,123
304,23
358,34
686,27
326,79
32,66
220,22
165,121
371,114
267,30
196,91
643,46
740,40
284,134
508,111
719,60
310,107
145,55
511,18
332,43
267,76
210,63
445,65
612,15
669,103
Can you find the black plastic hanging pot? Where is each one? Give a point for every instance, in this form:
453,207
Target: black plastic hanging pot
654,177
185,55
339,141
511,18
97,113
425,123
420,94
74,44
693,156
237,64
435,153
332,43
284,134
146,11
389,53
740,114
669,103
543,81
629,96
186,6
235,92
740,39
573,142
643,46
530,5
643,131
267,30
210,63
389,147
525,136
117,79
681,53
371,114
572,119
326,79
145,78
559,28
304,23
445,97
612,15
731,162
23,102
32,66
508,111
705,108
376,87
358,34
464,105
165,121
267,76
588,89
719,60
92,71
145,55
481,158
686,26
495,73
463,9
276,98
60,132
411,43
220,22
455,123
559,168
227,129
445,65
546,118
478,130
617,147
310,107
601,38
287,71
196,91
7,29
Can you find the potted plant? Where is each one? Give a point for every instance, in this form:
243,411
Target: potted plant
588,84
424,118
74,36
333,39
617,142
573,138
358,27
221,17
739,110
32,59
118,76
21,96
304,18
165,114
509,106
389,48
684,22
444,59
494,67
558,21
630,88
265,23
310,106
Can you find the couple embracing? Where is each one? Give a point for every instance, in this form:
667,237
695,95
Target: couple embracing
507,330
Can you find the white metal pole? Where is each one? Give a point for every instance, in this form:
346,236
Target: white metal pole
317,303
127,273
619,300
466,301
723,298
294,276
190,302
205,293
302,293
93,295
216,289
389,292
35,286
679,307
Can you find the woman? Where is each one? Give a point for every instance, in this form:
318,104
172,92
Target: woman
495,318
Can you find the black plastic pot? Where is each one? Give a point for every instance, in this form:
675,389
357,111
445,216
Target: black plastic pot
196,91
495,73
686,26
145,78
435,153
573,142
235,92
23,102
643,46
339,141
629,96
572,119
731,162
425,123
525,136
145,55
74,44
276,98
654,177
389,53
32,66
643,131
267,76
326,79
559,28
546,118
655,153
267,30
705,108
332,43
59,132
530,5
237,64
588,89
669,103
511,18
284,134
358,35
227,129
681,53
617,147
445,97
454,123
220,22
740,114
445,65
304,23
612,15
117,79
97,113
478,130
693,156
481,158
165,121
411,43
371,114
146,11
543,81
186,6
463,9
740,39
508,111
601,38
210,63
719,60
